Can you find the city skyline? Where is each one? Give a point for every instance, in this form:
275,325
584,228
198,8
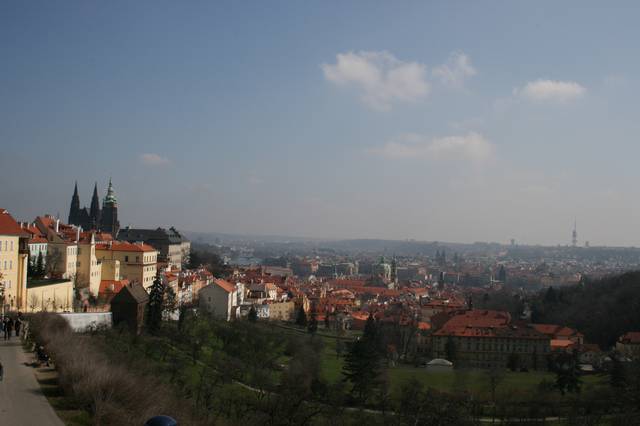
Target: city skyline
328,122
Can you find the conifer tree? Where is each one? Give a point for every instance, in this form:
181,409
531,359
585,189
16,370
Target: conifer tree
31,268
362,363
40,265
155,305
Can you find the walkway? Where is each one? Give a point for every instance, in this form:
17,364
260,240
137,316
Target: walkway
21,400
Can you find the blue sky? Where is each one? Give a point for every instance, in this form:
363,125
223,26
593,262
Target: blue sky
450,121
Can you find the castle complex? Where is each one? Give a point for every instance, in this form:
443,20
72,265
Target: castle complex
95,218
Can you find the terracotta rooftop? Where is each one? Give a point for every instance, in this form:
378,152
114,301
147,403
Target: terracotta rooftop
8,225
225,285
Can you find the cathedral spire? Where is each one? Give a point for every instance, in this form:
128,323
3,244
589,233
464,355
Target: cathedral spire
74,209
111,195
94,212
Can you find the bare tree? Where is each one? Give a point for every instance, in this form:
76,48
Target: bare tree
53,264
33,302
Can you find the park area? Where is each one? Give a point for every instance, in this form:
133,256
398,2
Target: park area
218,372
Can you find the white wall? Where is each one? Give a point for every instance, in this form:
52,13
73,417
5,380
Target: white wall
81,322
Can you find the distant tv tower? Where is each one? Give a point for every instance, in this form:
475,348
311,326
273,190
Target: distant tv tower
574,234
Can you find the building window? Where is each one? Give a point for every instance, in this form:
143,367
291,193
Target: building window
126,258
11,245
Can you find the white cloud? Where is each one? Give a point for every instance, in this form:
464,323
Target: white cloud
550,90
455,71
381,78
470,147
151,159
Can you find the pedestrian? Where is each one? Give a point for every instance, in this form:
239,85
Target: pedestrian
8,328
17,325
5,327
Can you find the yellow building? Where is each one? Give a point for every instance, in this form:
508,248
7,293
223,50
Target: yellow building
14,257
137,261
71,254
283,311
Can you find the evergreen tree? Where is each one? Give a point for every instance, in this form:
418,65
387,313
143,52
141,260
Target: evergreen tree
362,363
370,333
312,327
301,317
567,369
40,265
253,314
31,268
155,305
362,369
170,303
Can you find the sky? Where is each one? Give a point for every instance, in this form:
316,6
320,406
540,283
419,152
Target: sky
440,121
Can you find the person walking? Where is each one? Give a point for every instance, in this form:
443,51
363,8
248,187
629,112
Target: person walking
5,327
8,328
17,326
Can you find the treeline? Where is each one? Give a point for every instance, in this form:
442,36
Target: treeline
602,310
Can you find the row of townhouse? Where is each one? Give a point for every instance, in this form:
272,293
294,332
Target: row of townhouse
91,264
229,301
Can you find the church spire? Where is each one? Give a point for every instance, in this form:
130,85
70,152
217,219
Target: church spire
74,209
94,212
111,195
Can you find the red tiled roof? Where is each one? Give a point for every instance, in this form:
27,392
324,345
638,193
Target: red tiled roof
561,344
554,330
474,323
8,225
225,285
112,286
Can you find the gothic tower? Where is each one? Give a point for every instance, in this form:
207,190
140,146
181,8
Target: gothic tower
74,209
94,212
109,220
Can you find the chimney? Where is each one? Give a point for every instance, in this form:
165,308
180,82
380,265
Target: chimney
57,228
77,234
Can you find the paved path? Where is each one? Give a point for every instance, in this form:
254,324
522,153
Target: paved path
21,400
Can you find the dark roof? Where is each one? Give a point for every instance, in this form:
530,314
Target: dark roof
41,283
158,235
132,293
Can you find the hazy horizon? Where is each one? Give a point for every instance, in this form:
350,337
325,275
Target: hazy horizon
455,122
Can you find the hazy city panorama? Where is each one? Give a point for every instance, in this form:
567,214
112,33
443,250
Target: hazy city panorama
319,213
